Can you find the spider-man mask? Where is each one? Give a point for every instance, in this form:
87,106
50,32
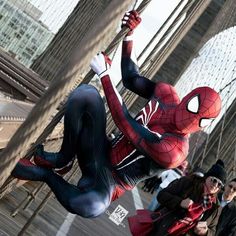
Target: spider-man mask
197,109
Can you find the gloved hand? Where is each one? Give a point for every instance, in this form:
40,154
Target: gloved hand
131,20
101,64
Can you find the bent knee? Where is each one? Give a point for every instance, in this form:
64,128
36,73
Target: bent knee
94,209
86,90
90,207
85,93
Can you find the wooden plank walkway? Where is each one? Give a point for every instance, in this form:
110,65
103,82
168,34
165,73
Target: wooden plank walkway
50,220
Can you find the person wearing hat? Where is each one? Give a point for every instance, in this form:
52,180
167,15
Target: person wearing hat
227,222
192,204
217,171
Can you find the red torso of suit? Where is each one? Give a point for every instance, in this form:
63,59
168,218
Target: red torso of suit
158,116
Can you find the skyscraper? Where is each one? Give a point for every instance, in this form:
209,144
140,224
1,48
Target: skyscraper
22,35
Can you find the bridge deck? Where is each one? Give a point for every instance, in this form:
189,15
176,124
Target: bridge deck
50,220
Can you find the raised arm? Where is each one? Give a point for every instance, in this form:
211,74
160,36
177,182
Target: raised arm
130,72
166,151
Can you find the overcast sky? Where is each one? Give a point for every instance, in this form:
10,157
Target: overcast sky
55,13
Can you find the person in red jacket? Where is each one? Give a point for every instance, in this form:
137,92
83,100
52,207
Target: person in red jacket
155,140
192,204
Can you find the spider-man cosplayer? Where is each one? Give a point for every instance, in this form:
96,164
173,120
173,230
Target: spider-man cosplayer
156,139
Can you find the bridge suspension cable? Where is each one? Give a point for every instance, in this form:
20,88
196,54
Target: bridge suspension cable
34,124
56,92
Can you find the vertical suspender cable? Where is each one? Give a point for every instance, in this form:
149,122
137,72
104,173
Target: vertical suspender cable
25,135
10,155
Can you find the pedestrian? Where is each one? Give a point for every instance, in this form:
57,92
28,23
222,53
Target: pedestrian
227,222
192,203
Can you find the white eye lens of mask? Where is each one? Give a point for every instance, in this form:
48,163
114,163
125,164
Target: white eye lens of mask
205,122
193,105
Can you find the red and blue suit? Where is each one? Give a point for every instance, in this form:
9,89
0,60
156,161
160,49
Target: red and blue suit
155,140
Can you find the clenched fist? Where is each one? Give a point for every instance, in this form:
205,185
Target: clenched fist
131,20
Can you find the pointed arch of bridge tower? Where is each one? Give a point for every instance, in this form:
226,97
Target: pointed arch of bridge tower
214,66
